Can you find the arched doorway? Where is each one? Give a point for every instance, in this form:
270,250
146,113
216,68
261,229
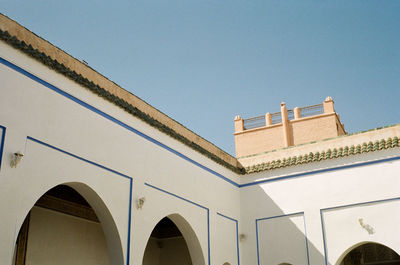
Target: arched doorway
63,228
173,242
371,254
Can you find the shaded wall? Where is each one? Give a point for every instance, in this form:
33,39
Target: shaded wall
57,238
171,251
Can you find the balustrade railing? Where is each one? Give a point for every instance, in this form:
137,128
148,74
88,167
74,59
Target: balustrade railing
312,110
276,117
254,122
290,114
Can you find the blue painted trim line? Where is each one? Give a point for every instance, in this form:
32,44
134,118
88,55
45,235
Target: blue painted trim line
177,196
324,237
124,125
345,206
195,204
78,157
237,234
321,171
258,248
208,237
279,216
128,252
3,137
112,119
107,169
305,236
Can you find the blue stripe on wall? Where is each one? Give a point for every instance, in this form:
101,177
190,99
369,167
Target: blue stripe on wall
345,206
194,203
280,216
237,234
3,137
112,119
124,125
128,248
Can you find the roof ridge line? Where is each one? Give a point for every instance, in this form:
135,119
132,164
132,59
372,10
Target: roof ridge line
102,92
322,140
326,154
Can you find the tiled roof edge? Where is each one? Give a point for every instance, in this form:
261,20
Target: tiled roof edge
325,155
78,78
318,141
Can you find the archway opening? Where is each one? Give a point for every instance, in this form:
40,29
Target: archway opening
167,246
371,254
61,228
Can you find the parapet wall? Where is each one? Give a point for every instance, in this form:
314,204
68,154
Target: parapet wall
286,128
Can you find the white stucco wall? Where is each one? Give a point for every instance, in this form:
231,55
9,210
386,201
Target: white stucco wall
276,251
226,245
66,142
343,229
332,202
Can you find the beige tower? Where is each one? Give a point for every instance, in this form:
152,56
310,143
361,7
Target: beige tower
286,128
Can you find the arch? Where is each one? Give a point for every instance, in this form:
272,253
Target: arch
189,236
365,250
108,225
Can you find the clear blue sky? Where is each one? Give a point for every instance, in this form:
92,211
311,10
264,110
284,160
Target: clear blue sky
203,62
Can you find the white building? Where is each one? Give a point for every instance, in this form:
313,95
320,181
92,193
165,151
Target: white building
91,174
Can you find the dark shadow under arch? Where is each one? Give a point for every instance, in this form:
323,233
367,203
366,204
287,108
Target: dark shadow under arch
173,228
369,253
76,200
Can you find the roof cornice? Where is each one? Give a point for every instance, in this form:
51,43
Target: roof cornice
311,157
29,43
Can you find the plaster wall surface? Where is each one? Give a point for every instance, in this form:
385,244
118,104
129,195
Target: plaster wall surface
71,136
226,245
317,214
313,128
258,140
56,238
174,252
170,251
152,254
255,141
374,222
273,249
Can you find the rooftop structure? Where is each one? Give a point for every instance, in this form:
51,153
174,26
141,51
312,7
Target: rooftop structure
287,128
